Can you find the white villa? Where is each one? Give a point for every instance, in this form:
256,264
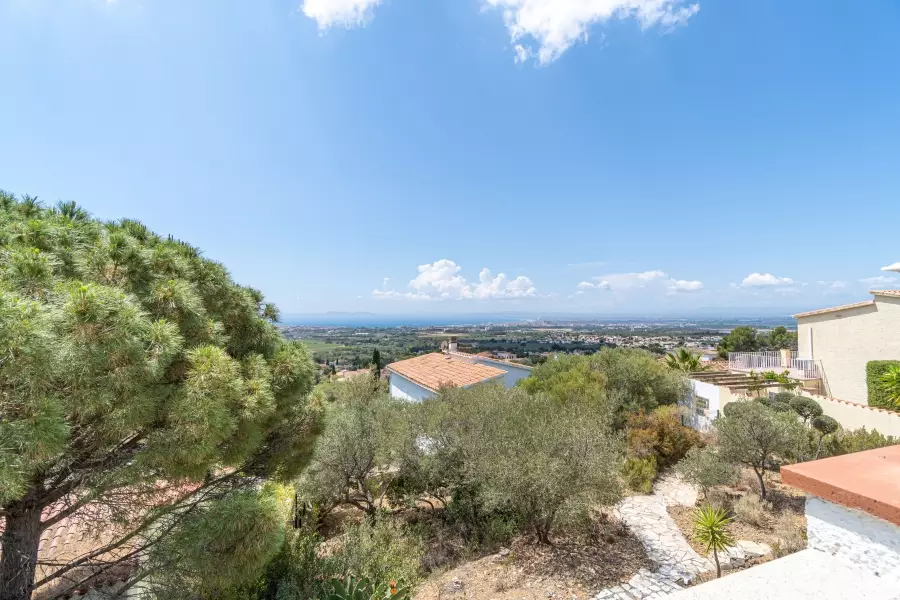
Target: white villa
834,347
417,379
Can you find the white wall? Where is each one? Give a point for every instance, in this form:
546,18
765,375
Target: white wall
855,416
404,389
846,341
702,419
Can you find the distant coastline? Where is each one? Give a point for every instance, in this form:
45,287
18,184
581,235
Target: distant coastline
711,318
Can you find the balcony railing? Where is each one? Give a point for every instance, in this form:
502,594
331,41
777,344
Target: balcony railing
797,368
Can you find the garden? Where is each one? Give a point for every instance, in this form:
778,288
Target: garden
542,490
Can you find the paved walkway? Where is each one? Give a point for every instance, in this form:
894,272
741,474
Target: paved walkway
649,520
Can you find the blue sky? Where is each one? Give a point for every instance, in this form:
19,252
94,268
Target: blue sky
605,156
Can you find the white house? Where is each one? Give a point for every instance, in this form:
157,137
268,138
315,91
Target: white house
419,378
843,339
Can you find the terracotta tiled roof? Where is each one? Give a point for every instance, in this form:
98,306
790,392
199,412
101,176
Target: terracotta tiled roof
894,293
823,311
437,370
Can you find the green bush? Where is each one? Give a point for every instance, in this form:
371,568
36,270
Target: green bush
351,588
784,397
848,442
807,408
705,468
639,474
661,436
383,551
879,396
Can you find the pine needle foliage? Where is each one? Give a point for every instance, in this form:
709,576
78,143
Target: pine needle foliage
127,359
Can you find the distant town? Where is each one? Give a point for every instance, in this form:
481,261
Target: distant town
351,348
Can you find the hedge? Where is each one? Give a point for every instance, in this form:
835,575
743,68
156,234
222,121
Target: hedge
874,370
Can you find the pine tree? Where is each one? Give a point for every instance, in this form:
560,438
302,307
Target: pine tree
136,376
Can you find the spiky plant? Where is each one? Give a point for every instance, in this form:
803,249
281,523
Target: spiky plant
711,530
684,360
352,588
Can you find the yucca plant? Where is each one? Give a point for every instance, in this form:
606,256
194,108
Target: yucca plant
353,588
711,530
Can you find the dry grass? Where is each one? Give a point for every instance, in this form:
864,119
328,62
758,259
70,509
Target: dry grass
779,522
577,565
752,510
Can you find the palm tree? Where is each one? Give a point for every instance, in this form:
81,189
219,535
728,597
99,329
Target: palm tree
890,383
711,530
684,360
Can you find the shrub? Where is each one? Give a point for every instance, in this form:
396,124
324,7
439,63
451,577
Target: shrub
880,395
380,552
541,460
622,380
639,474
351,588
780,407
807,408
660,435
750,509
783,397
791,535
857,440
824,425
705,468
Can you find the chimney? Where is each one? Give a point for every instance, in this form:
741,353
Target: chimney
451,347
786,356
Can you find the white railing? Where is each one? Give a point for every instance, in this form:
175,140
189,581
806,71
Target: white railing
772,360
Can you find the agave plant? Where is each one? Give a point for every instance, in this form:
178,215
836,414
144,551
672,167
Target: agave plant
711,530
352,588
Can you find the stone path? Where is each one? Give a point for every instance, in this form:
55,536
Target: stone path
649,520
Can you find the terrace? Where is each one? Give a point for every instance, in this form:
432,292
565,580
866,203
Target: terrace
779,361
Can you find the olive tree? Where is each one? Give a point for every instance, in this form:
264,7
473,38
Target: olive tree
618,381
351,460
543,460
753,435
136,376
705,468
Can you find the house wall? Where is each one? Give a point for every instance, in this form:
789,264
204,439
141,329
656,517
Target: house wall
702,419
846,341
855,416
404,389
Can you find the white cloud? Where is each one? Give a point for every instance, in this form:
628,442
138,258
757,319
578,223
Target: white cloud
833,285
880,280
625,281
765,280
680,285
545,29
893,267
341,13
630,281
441,280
